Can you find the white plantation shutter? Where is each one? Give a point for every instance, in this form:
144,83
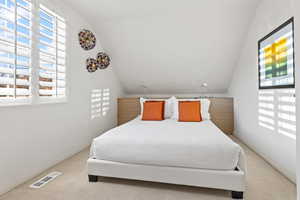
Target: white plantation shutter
52,54
15,49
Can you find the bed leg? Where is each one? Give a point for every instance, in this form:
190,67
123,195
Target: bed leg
93,178
237,195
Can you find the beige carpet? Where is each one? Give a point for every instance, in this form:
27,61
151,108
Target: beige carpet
264,183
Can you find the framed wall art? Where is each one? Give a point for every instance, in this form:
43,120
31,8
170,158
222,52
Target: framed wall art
276,58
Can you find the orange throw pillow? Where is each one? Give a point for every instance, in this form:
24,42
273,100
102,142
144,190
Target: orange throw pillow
189,111
154,110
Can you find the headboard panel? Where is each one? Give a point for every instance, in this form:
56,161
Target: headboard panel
221,110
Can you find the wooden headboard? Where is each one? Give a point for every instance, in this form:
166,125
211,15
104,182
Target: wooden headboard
221,111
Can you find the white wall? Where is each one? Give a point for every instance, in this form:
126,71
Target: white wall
277,149
154,45
34,138
297,45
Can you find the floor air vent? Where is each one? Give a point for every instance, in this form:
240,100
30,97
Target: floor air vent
43,181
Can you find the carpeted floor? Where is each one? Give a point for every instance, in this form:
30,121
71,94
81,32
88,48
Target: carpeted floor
264,183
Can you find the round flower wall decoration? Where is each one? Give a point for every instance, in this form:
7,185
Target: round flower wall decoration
91,65
87,39
103,60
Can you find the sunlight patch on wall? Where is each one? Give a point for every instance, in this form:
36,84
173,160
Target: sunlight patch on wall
100,102
105,101
266,109
96,99
277,111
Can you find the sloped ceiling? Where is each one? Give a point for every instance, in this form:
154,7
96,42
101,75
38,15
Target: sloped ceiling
170,46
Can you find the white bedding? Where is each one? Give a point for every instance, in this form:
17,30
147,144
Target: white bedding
199,145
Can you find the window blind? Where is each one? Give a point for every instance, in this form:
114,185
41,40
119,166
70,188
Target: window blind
15,49
52,53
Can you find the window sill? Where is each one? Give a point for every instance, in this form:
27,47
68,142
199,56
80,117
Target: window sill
51,101
12,103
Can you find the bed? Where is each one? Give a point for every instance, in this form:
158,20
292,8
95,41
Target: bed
185,153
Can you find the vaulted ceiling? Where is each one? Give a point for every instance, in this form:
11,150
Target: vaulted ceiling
170,46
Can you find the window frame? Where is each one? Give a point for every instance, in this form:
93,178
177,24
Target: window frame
34,98
289,21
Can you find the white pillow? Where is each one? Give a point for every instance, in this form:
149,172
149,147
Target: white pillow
169,105
205,103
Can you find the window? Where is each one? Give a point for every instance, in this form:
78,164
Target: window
20,78
276,58
52,47
15,49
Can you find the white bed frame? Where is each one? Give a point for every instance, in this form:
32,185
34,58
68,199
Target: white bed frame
235,181
227,180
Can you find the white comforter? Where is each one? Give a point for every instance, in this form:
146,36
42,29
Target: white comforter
198,145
